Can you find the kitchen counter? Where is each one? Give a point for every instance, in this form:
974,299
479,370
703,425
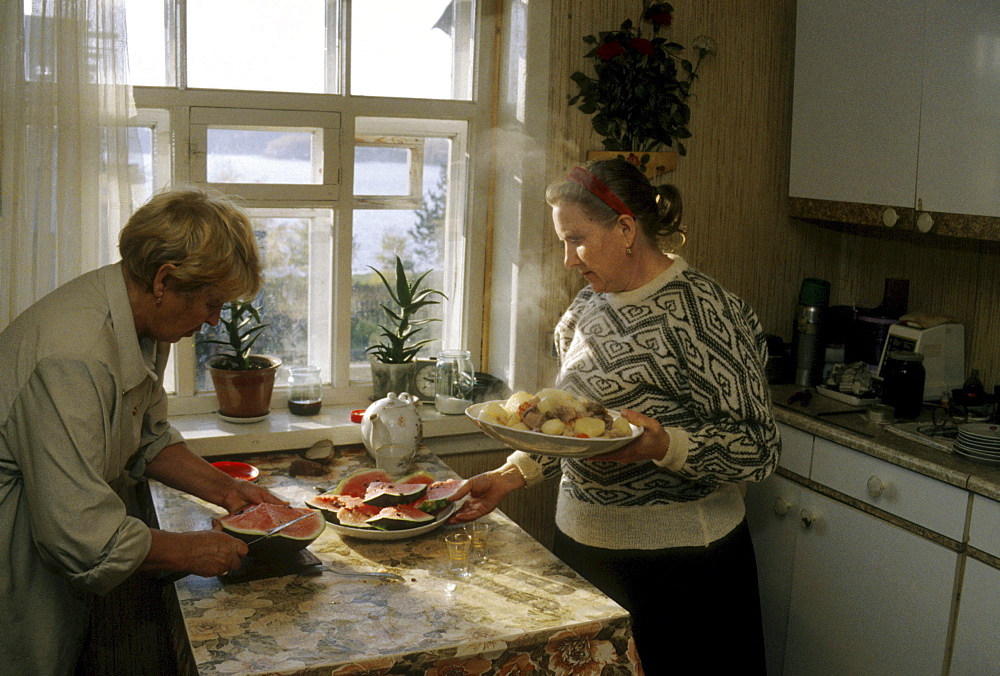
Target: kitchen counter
855,431
522,610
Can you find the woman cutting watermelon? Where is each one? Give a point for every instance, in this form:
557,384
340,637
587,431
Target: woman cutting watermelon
83,415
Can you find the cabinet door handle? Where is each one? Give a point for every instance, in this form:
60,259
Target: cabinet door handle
875,486
781,506
807,518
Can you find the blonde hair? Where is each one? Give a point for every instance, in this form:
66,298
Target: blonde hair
206,236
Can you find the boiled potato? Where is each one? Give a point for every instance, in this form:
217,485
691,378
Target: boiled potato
591,427
515,400
553,426
520,426
622,425
494,413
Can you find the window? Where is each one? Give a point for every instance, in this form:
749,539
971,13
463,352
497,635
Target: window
339,174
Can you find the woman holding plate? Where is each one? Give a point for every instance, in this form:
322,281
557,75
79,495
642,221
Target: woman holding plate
658,524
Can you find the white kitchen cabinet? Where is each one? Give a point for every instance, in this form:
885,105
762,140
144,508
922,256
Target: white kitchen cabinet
772,516
843,591
894,104
867,597
977,632
856,101
977,629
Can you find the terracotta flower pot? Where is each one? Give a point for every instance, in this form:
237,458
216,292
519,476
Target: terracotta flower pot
244,394
652,164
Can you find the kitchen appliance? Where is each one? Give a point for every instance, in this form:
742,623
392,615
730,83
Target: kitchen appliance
943,347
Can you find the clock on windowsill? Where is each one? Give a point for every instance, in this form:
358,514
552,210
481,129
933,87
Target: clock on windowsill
424,378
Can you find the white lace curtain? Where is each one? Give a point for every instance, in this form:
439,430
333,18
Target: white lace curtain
64,106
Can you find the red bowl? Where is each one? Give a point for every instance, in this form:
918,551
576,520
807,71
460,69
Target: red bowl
238,470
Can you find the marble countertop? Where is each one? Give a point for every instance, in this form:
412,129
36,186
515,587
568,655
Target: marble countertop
522,610
855,431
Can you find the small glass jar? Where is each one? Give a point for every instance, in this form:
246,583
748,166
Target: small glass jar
903,384
454,380
305,390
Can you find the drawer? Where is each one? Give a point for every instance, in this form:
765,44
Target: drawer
906,494
796,449
984,529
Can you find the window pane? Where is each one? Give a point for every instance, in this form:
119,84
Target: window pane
381,171
147,43
417,236
412,49
254,155
263,45
296,252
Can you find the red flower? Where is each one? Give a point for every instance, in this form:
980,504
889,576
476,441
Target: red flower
610,50
660,17
642,45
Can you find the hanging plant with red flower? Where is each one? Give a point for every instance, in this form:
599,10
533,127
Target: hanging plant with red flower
639,91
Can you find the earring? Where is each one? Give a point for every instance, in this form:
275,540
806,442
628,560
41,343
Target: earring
159,299
628,251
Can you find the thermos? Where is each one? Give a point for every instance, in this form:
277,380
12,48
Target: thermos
814,297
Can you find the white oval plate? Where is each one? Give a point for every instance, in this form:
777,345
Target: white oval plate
546,444
384,535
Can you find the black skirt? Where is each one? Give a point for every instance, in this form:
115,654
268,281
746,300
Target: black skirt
687,604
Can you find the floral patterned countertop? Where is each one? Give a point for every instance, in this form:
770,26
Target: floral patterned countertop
521,611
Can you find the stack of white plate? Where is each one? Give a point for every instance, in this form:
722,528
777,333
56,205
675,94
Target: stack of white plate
979,442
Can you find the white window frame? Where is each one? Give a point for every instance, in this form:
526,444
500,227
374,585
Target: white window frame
192,111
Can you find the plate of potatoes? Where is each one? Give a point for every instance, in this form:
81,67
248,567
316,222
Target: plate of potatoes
553,422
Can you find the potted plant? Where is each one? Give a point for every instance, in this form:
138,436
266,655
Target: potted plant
639,90
243,381
392,360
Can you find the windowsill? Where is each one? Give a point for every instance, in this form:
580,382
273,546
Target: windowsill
210,436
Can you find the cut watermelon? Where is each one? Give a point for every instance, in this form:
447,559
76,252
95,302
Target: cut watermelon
357,517
382,494
438,495
400,517
357,483
256,521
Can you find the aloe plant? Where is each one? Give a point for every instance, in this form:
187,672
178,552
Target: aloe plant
408,299
241,324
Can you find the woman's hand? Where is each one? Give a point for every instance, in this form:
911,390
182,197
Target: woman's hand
652,444
241,493
485,492
202,552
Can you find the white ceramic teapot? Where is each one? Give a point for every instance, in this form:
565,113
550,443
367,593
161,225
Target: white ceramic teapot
394,421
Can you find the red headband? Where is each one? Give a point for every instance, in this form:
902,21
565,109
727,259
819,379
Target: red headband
595,187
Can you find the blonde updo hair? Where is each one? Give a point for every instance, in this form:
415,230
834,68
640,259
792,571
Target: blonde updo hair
657,209
207,236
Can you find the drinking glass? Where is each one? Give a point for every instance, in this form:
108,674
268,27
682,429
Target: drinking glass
478,531
459,546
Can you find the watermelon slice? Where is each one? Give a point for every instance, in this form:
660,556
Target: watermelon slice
358,516
357,483
256,521
382,494
400,517
438,496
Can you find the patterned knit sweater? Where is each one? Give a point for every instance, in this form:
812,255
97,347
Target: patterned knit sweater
688,353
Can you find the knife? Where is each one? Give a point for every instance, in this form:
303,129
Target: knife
279,528
173,577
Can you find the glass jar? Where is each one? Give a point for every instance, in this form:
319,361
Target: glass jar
903,383
305,390
454,380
